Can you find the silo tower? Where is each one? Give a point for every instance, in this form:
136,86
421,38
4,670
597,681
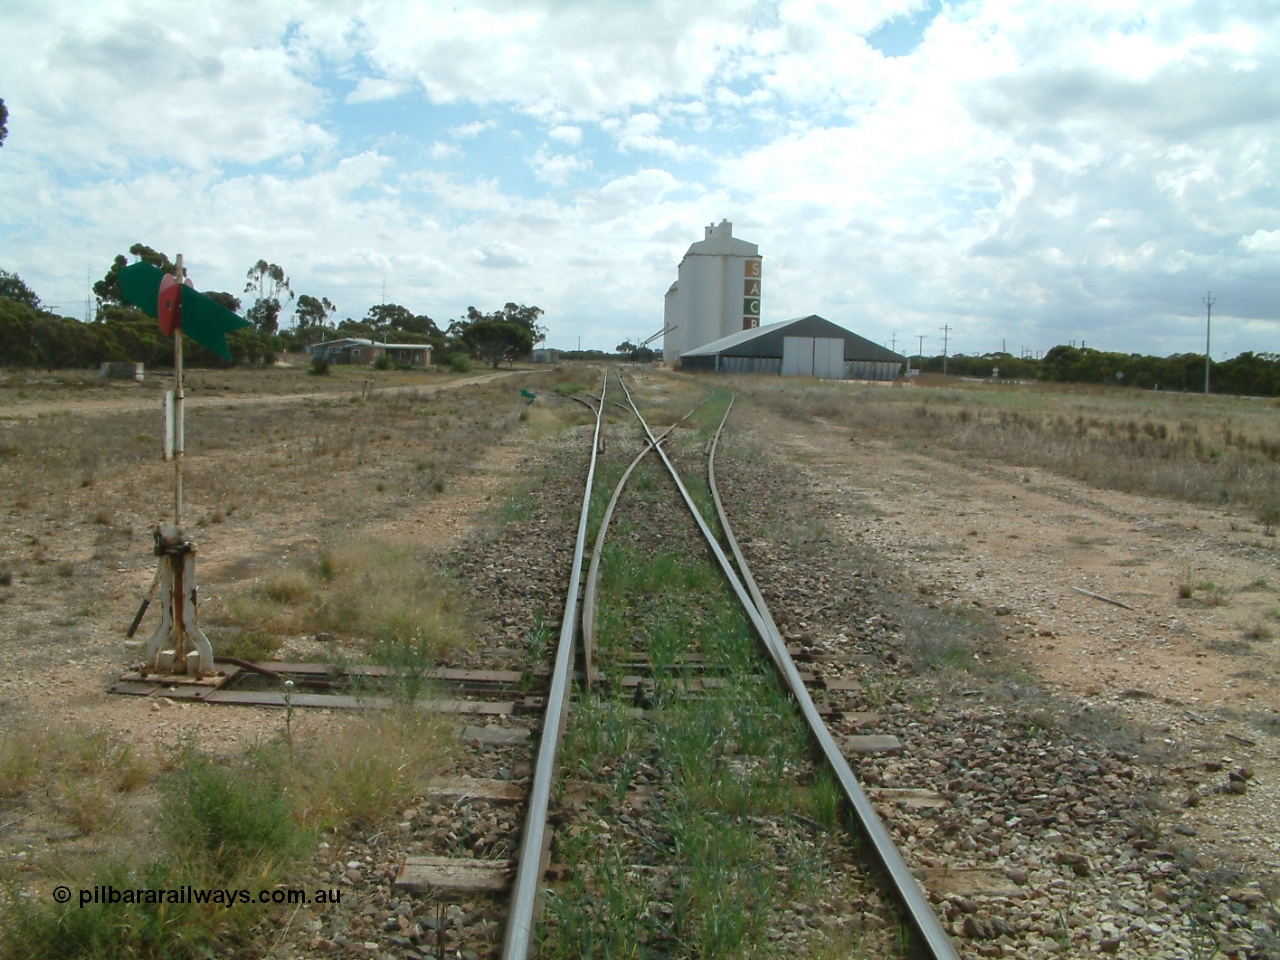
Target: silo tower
717,292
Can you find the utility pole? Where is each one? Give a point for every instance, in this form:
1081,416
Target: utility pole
893,340
1208,322
946,331
920,351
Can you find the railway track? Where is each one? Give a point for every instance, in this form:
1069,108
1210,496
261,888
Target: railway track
636,686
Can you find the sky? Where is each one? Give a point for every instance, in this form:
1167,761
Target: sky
1021,174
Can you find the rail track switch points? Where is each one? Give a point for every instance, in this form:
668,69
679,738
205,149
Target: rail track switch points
179,647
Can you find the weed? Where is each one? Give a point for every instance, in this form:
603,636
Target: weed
288,712
247,644
368,768
1214,596
89,463
288,586
1269,517
33,927
825,801
232,817
1259,631
410,660
20,763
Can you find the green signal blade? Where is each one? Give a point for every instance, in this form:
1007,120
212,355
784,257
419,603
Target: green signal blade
208,322
205,321
140,284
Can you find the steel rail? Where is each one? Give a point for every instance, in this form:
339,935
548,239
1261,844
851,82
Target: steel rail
922,915
593,572
524,895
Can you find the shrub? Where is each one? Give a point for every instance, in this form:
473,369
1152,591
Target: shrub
383,362
234,818
460,363
319,366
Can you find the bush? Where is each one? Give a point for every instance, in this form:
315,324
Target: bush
383,362
319,367
460,363
233,818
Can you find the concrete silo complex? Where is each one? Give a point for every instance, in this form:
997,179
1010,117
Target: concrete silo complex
717,292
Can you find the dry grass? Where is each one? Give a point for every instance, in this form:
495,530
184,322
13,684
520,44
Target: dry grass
1199,449
80,771
364,589
370,768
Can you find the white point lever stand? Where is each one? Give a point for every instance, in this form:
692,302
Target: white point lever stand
178,645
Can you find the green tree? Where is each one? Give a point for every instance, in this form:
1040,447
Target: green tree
498,340
228,300
107,290
311,318
11,286
626,346
269,285
385,316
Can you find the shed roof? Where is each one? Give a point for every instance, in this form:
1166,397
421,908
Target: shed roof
766,341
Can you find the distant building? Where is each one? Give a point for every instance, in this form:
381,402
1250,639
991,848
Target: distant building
544,355
805,347
361,350
716,293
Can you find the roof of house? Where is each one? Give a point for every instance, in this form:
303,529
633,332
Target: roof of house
363,342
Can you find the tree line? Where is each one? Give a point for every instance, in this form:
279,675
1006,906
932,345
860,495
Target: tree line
1249,374
31,336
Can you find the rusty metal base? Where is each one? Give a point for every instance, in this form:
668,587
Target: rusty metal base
213,681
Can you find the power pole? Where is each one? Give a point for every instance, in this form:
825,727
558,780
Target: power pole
893,340
1208,322
920,351
946,331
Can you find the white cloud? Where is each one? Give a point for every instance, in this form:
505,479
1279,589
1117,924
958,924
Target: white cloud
1031,170
101,86
1262,241
639,133
469,130
503,256
373,88
557,168
566,133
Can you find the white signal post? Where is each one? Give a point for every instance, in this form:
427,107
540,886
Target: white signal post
178,647
181,274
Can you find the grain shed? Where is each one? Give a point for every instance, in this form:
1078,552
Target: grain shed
805,347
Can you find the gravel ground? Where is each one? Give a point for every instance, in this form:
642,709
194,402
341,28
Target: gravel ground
1038,826
1041,821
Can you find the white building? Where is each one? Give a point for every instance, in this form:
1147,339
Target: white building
717,292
